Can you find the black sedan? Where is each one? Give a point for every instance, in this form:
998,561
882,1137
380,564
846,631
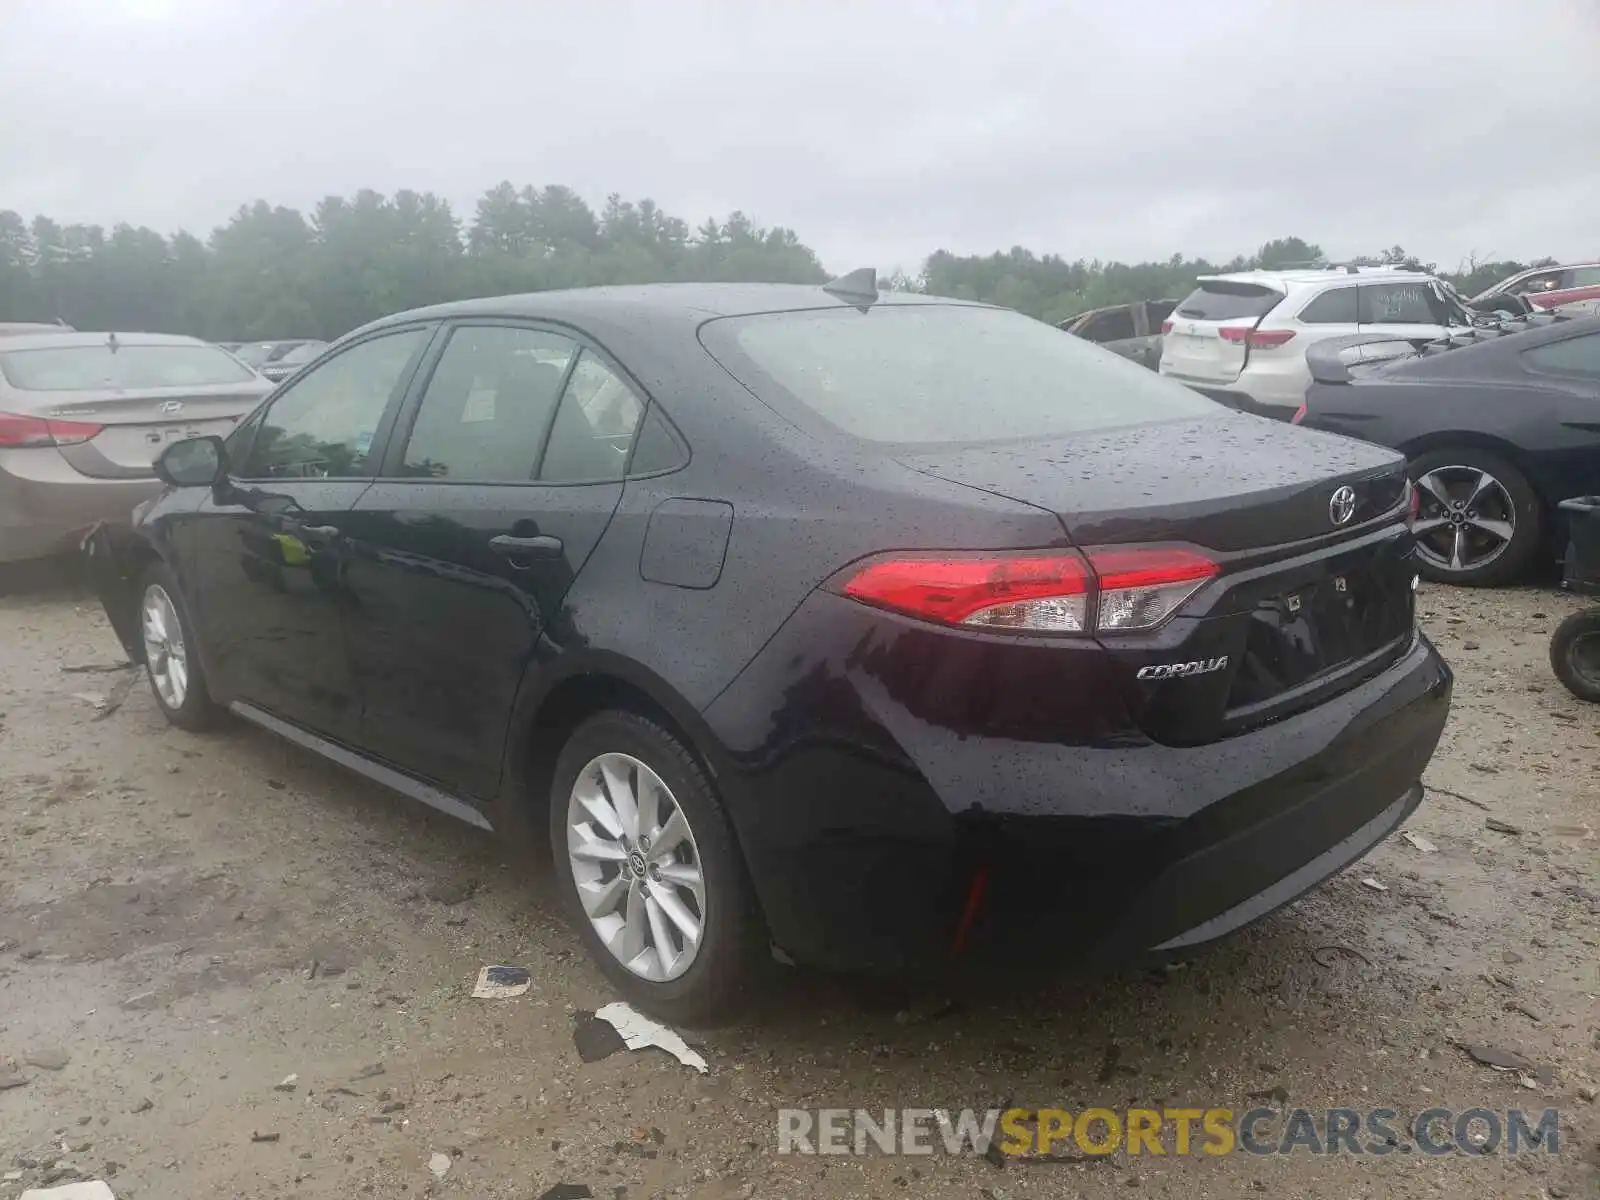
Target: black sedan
1500,425
873,631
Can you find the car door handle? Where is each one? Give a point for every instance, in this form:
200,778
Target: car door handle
542,546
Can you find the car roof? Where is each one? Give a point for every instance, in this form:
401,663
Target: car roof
691,303
55,341
1328,275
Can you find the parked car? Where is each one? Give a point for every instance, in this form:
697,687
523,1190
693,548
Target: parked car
259,354
1498,426
1131,330
877,628
1547,287
279,368
83,415
1242,338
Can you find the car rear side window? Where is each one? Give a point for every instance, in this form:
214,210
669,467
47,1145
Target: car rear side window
488,405
1574,356
1583,277
108,365
920,374
1228,300
594,426
322,425
1334,307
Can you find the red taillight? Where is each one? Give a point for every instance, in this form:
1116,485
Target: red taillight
17,431
1127,588
1166,327
1299,415
1256,339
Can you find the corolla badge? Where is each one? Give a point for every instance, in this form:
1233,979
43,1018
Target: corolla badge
1342,505
171,408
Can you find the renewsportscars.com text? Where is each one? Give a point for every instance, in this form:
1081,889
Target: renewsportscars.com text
1044,1132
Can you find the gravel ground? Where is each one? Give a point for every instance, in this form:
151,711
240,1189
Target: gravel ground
163,898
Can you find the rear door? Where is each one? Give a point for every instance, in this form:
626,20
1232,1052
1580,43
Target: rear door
1207,341
505,471
266,552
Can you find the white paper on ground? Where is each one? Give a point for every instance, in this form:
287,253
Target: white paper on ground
501,983
638,1031
89,1190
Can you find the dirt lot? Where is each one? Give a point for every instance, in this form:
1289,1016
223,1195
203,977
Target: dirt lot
163,898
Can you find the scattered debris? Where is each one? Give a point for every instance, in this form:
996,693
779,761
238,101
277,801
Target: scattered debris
502,983
1370,882
595,1039
1419,842
1324,956
92,699
144,1105
1484,768
1532,1014
370,1071
439,1164
1510,957
451,893
97,668
10,1079
568,1191
1497,1057
287,1085
1458,796
87,1189
638,1031
265,1137
52,1058
1587,1092
1496,825
143,1002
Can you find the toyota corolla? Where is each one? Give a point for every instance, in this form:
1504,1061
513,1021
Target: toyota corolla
872,631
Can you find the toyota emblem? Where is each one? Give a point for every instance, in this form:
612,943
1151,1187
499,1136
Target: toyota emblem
172,407
1342,505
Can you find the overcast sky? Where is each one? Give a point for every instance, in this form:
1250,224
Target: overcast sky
879,129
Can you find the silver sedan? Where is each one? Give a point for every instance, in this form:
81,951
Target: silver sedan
82,417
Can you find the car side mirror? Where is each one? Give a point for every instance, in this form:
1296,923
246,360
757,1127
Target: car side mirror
193,462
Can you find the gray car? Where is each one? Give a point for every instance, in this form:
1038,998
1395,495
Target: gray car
83,415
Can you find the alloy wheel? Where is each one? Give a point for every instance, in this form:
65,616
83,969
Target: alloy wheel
164,650
636,867
1465,520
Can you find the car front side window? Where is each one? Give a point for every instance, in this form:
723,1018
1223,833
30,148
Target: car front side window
323,426
1572,356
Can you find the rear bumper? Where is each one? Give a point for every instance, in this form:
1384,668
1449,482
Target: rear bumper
883,836
46,507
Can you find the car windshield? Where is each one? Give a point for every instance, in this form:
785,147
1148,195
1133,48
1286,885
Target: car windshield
125,367
923,374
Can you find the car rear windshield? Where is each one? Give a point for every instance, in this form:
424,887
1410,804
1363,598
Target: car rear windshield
922,374
91,368
304,352
1225,300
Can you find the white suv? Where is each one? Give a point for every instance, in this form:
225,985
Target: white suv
1241,338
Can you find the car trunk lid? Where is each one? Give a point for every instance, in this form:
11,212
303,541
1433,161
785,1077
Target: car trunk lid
137,425
1315,588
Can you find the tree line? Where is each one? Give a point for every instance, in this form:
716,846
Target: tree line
274,272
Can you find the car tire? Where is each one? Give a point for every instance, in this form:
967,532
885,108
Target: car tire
1510,498
172,664
1575,654
726,950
